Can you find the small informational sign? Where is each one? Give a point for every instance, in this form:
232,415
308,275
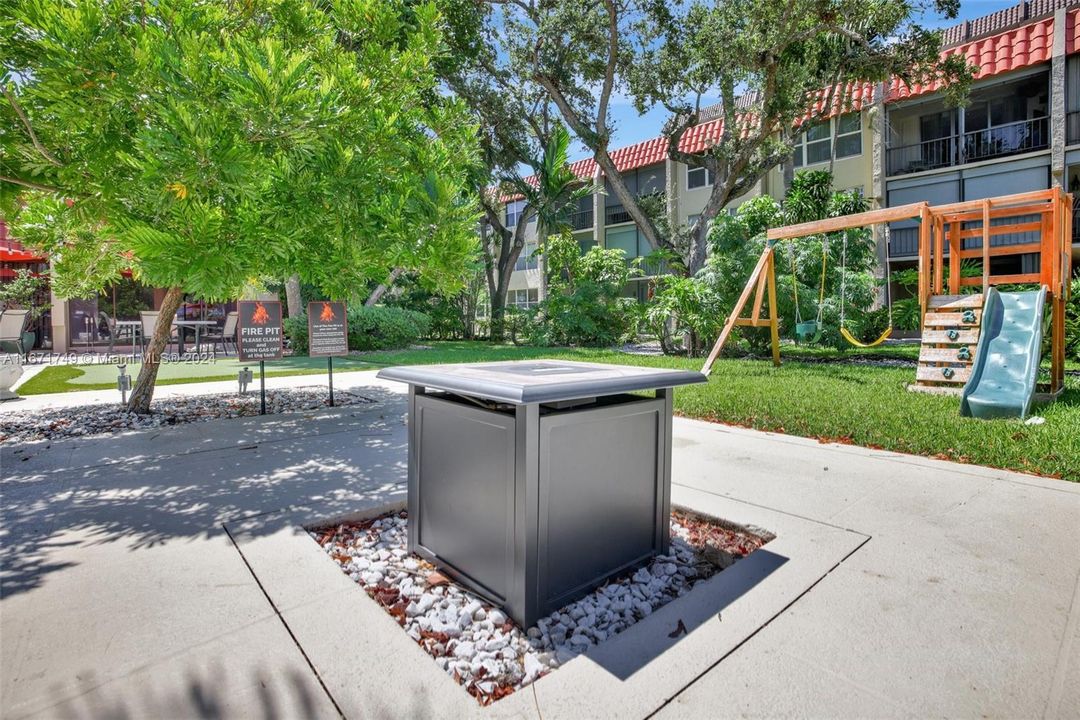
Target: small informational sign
328,331
259,330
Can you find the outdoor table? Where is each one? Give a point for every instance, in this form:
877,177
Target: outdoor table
533,482
197,325
134,325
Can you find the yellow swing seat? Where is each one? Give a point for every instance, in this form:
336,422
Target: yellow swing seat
854,341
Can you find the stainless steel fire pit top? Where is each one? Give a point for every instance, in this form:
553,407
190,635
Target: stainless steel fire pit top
524,382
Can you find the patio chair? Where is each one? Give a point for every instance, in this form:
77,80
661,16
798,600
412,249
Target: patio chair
225,335
12,325
149,320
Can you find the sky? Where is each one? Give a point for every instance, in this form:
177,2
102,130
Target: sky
631,127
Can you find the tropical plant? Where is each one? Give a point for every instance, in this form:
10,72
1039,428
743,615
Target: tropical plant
24,291
1072,321
585,303
684,307
847,259
202,144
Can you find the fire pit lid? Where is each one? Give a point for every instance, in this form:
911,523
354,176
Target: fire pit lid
525,382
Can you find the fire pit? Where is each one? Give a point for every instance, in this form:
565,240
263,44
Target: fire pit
534,482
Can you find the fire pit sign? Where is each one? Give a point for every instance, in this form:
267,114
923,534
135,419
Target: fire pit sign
259,330
328,332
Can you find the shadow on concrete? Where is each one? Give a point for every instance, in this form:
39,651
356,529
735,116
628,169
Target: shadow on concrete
653,636
205,692
183,483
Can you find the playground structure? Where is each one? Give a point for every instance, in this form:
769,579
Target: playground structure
1035,224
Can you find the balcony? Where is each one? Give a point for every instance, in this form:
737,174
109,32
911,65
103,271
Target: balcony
615,214
1076,221
996,142
1072,128
581,219
904,242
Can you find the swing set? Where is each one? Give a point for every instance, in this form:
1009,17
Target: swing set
810,330
1034,225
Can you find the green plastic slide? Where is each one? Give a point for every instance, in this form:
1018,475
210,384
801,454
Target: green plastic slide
1002,381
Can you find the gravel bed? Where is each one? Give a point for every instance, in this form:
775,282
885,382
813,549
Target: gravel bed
476,643
89,420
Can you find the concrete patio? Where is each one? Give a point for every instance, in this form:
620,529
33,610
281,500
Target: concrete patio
161,574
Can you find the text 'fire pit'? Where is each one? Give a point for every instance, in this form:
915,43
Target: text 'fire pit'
534,482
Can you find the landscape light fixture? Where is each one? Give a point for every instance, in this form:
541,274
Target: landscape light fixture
244,378
123,383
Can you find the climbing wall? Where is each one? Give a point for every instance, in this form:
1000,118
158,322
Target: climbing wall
950,335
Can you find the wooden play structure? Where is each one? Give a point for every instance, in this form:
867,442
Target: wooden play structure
1035,224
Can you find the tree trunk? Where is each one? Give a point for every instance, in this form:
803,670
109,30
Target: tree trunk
292,296
541,237
377,294
143,390
498,314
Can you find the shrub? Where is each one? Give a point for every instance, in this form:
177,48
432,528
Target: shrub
1072,322
584,305
687,307
370,328
736,243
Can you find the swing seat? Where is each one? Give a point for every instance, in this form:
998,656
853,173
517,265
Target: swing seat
854,341
808,330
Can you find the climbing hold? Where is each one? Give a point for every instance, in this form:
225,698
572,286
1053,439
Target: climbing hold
968,316
947,373
952,334
964,353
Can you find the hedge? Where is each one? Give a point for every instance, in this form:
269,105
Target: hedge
370,328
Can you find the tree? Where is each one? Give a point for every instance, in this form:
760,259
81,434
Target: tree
553,192
203,144
775,66
737,243
515,121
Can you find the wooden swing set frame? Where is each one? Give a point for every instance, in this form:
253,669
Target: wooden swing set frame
942,229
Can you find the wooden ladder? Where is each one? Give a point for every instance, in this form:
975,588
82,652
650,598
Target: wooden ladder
950,336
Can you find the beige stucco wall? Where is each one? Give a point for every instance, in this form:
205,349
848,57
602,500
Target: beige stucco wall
850,172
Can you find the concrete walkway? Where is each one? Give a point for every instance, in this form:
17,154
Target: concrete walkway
123,596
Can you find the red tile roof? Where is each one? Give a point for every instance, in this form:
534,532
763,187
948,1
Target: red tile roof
1018,48
1072,33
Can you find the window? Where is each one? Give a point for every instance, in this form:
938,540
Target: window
818,143
814,145
848,135
523,299
513,212
527,260
698,178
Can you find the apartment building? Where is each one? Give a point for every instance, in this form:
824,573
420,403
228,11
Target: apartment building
1019,131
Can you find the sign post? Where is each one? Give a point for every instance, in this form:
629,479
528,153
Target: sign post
259,337
328,334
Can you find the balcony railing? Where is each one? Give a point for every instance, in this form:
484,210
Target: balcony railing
1001,141
1012,139
1072,128
615,214
1076,221
581,219
904,242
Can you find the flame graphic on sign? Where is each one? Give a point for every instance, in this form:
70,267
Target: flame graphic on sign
327,313
260,316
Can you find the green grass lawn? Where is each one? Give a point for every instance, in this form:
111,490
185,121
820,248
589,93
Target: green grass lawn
848,403
72,378
831,401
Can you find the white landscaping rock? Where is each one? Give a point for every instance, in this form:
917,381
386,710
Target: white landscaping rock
465,633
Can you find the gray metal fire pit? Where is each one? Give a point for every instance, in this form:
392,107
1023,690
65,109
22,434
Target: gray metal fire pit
534,482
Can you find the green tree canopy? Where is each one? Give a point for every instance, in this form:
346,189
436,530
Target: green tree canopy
772,65
202,144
